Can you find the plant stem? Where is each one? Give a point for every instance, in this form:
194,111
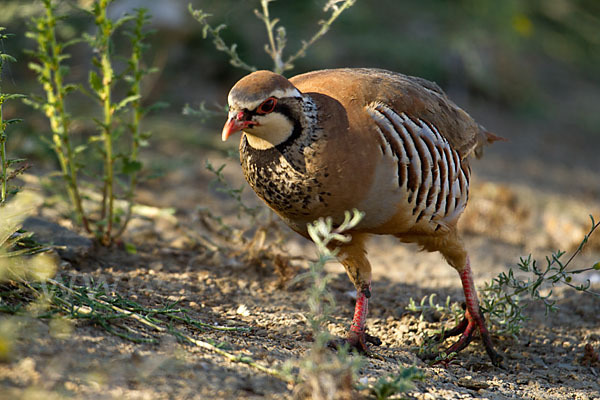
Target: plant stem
178,334
325,25
275,52
135,90
3,160
105,27
55,110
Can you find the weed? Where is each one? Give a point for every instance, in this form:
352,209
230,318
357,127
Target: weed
325,375
427,307
502,298
388,386
277,41
5,162
109,222
53,298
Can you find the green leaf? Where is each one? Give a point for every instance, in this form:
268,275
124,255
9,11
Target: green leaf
146,135
597,266
159,105
15,96
95,82
15,161
63,70
7,57
126,101
70,88
95,138
130,248
130,167
35,67
80,148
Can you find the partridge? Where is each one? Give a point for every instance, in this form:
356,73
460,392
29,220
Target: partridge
392,146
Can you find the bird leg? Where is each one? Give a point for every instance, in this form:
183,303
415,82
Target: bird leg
473,320
357,338
352,256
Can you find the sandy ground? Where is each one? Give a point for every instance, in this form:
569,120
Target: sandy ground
529,196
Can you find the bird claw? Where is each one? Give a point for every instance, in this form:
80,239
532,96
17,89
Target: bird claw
466,329
357,342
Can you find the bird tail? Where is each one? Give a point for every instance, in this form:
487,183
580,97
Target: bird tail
485,138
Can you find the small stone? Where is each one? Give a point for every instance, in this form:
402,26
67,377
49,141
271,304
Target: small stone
70,246
469,383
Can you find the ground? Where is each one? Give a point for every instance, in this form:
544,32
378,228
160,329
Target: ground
530,195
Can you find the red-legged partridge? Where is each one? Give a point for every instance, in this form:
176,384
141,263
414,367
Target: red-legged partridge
390,145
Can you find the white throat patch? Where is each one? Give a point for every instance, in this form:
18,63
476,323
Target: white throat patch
272,129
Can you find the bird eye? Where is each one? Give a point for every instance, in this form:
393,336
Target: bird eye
267,106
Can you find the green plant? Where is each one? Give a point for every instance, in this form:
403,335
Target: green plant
120,162
5,162
502,298
277,38
450,313
428,306
50,298
321,371
13,263
388,386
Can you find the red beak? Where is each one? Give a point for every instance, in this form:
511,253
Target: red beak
235,123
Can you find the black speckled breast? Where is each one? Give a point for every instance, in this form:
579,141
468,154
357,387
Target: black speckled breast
279,176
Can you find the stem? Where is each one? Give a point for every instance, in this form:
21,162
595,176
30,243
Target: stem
58,118
104,24
3,151
275,53
337,11
135,90
180,335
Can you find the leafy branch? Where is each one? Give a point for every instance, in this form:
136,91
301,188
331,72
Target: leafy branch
277,38
5,162
501,298
108,222
220,45
278,41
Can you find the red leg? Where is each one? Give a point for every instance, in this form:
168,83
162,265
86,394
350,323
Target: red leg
357,338
356,334
473,320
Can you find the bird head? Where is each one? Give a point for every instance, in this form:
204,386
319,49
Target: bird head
261,105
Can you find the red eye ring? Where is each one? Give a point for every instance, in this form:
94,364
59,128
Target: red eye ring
267,106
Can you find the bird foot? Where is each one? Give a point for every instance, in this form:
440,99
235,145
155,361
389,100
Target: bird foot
357,342
466,329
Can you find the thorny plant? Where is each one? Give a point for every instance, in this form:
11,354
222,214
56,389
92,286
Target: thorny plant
333,375
325,373
391,385
503,299
6,174
118,116
277,37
